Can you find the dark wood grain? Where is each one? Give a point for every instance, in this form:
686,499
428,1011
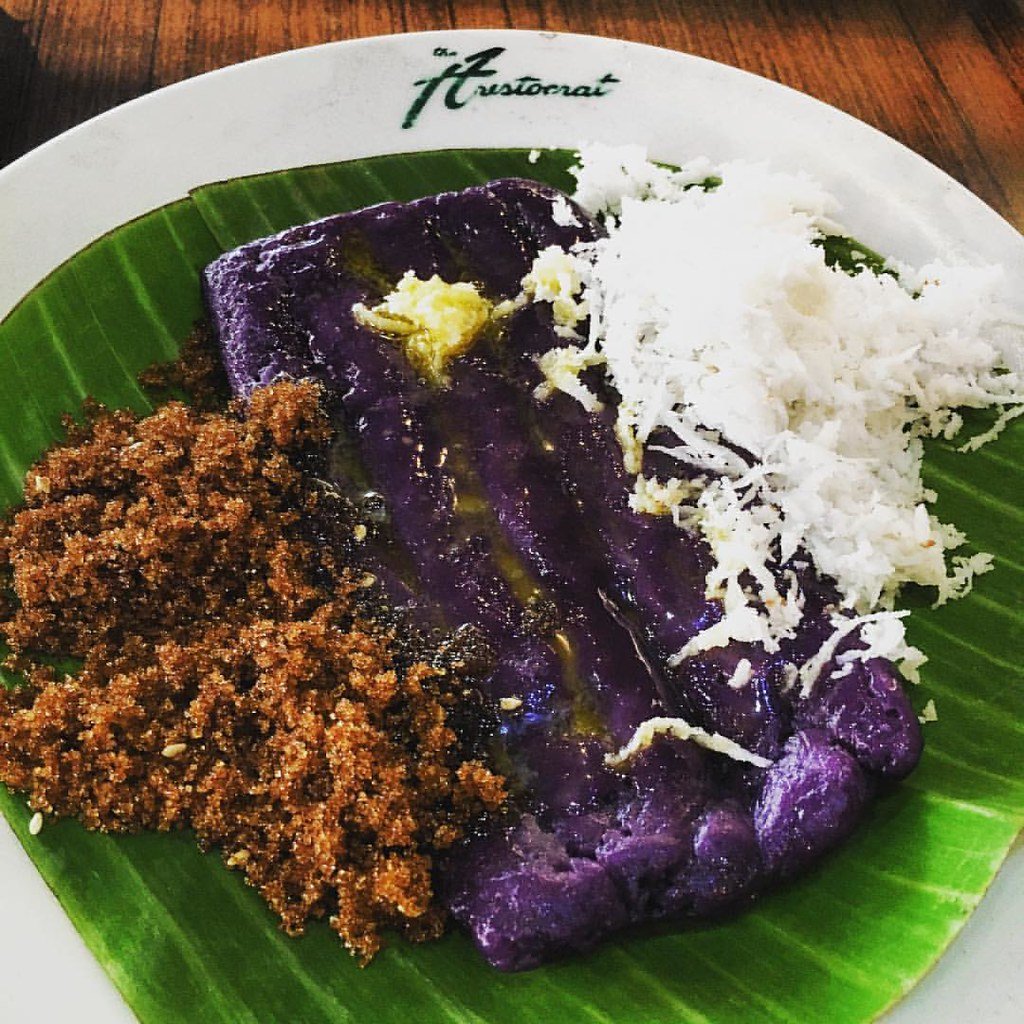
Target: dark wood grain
946,77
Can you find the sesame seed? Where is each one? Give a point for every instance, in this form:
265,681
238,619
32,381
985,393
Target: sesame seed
175,749
510,703
35,824
359,532
368,580
238,857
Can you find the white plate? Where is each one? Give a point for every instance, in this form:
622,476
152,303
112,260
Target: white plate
354,99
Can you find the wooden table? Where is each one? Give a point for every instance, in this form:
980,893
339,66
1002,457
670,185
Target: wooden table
944,77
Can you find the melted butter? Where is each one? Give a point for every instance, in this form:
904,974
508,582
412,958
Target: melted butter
468,504
432,321
520,580
585,719
477,516
435,322
355,257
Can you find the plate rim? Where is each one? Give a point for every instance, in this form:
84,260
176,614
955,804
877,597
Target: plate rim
55,148
130,109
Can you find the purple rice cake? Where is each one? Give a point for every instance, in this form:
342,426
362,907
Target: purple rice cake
510,515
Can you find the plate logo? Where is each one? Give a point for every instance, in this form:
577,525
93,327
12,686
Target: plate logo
473,78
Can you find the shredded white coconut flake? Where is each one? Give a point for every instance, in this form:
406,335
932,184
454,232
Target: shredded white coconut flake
791,675
660,497
558,277
976,442
741,675
679,728
910,664
802,392
928,713
743,624
608,174
561,368
883,636
961,579
562,214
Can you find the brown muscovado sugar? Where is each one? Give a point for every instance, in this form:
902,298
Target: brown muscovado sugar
232,679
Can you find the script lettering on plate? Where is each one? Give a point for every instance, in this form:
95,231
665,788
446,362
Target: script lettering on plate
474,78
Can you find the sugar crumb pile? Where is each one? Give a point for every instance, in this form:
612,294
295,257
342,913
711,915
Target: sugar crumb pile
229,680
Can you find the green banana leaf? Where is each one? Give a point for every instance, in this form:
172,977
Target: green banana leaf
185,940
